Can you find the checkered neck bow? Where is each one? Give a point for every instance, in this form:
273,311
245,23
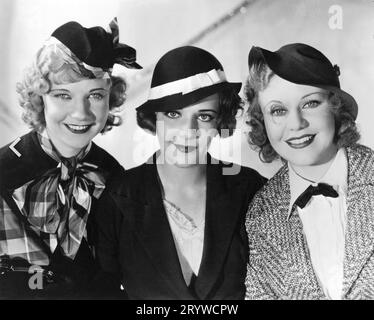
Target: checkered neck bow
59,201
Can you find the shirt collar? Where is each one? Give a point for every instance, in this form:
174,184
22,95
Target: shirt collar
336,176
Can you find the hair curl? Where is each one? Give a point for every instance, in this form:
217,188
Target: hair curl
346,132
53,65
229,104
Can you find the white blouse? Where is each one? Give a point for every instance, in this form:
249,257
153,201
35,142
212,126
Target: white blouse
324,222
188,238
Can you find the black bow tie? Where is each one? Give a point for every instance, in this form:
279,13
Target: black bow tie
322,188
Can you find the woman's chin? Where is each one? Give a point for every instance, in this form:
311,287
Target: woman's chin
184,165
184,160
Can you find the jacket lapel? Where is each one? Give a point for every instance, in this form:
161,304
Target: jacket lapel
299,277
30,162
359,243
152,226
223,205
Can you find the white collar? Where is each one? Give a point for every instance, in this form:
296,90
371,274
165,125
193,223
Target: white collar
336,176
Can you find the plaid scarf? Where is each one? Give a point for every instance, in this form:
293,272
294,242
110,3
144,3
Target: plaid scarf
59,201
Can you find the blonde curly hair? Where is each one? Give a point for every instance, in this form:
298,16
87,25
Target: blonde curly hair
54,65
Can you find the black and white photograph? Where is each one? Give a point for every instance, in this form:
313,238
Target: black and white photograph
186,150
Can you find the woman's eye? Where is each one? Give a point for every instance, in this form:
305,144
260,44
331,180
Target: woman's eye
96,96
312,104
62,96
172,114
205,117
278,111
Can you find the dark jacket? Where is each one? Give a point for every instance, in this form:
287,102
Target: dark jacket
24,161
135,242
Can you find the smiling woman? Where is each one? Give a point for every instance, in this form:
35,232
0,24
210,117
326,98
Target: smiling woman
75,113
300,117
308,226
173,227
185,134
52,178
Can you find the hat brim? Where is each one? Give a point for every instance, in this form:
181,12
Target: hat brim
180,101
275,63
345,98
136,65
287,67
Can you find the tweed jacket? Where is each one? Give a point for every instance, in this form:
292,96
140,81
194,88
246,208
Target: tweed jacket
279,264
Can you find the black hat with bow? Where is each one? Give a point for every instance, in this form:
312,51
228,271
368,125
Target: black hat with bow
95,47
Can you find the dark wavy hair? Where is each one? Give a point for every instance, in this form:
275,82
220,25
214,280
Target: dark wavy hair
53,65
346,133
228,106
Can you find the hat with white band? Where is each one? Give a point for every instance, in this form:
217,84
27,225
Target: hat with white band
184,76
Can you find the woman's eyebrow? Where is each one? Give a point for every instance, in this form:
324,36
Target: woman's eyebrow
65,90
309,94
272,101
95,89
208,110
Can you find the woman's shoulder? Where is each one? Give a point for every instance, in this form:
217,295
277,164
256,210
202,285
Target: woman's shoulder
103,159
275,184
17,148
237,173
250,173
359,152
271,192
361,161
251,180
22,160
128,182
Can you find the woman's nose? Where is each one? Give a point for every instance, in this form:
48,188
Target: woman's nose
189,126
82,110
296,120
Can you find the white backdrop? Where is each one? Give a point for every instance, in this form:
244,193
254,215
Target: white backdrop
156,26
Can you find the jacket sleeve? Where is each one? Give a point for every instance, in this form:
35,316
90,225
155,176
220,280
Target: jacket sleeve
5,211
107,223
257,283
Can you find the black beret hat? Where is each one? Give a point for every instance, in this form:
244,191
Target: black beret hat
302,64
